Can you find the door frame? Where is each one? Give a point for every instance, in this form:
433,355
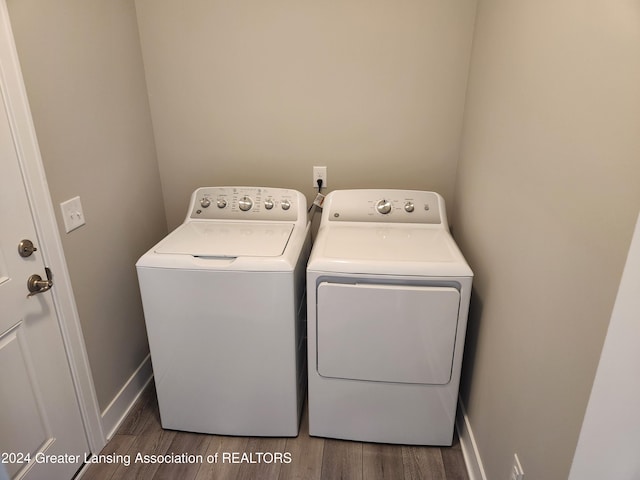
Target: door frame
48,236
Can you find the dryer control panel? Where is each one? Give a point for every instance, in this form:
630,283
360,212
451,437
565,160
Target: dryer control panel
381,205
247,203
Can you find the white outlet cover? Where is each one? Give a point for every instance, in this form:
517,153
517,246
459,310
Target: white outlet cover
320,172
72,214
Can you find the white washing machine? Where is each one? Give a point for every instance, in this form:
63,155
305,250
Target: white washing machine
224,306
388,295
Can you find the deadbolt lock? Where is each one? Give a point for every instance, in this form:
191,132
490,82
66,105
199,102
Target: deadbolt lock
26,248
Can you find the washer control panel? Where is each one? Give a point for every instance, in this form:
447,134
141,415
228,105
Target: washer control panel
394,206
247,203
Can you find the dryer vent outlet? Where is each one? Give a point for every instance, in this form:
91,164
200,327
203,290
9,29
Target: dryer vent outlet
516,469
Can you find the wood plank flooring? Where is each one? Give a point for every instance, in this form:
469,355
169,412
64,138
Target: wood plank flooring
312,458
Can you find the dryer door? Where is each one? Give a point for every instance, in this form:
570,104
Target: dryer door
386,333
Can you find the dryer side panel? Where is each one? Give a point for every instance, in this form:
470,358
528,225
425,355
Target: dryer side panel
386,333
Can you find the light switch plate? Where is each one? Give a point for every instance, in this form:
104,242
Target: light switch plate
72,214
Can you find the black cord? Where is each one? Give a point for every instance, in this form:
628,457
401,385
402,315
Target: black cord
319,182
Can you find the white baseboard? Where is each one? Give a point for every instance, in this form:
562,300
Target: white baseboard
114,414
472,459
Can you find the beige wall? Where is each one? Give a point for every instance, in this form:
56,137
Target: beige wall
248,93
545,203
258,92
82,66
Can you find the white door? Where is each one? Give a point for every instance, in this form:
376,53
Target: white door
41,429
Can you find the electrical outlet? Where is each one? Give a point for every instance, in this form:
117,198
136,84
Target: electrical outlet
516,469
72,214
320,173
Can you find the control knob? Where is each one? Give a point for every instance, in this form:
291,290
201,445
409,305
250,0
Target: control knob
268,204
222,203
409,207
205,202
245,203
286,205
383,206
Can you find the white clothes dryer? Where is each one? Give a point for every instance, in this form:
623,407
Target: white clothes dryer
224,307
388,295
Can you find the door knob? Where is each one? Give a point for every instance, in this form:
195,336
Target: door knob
36,284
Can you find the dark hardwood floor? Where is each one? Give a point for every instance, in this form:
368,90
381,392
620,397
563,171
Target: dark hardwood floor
257,458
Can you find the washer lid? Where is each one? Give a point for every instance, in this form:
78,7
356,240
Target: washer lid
227,239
